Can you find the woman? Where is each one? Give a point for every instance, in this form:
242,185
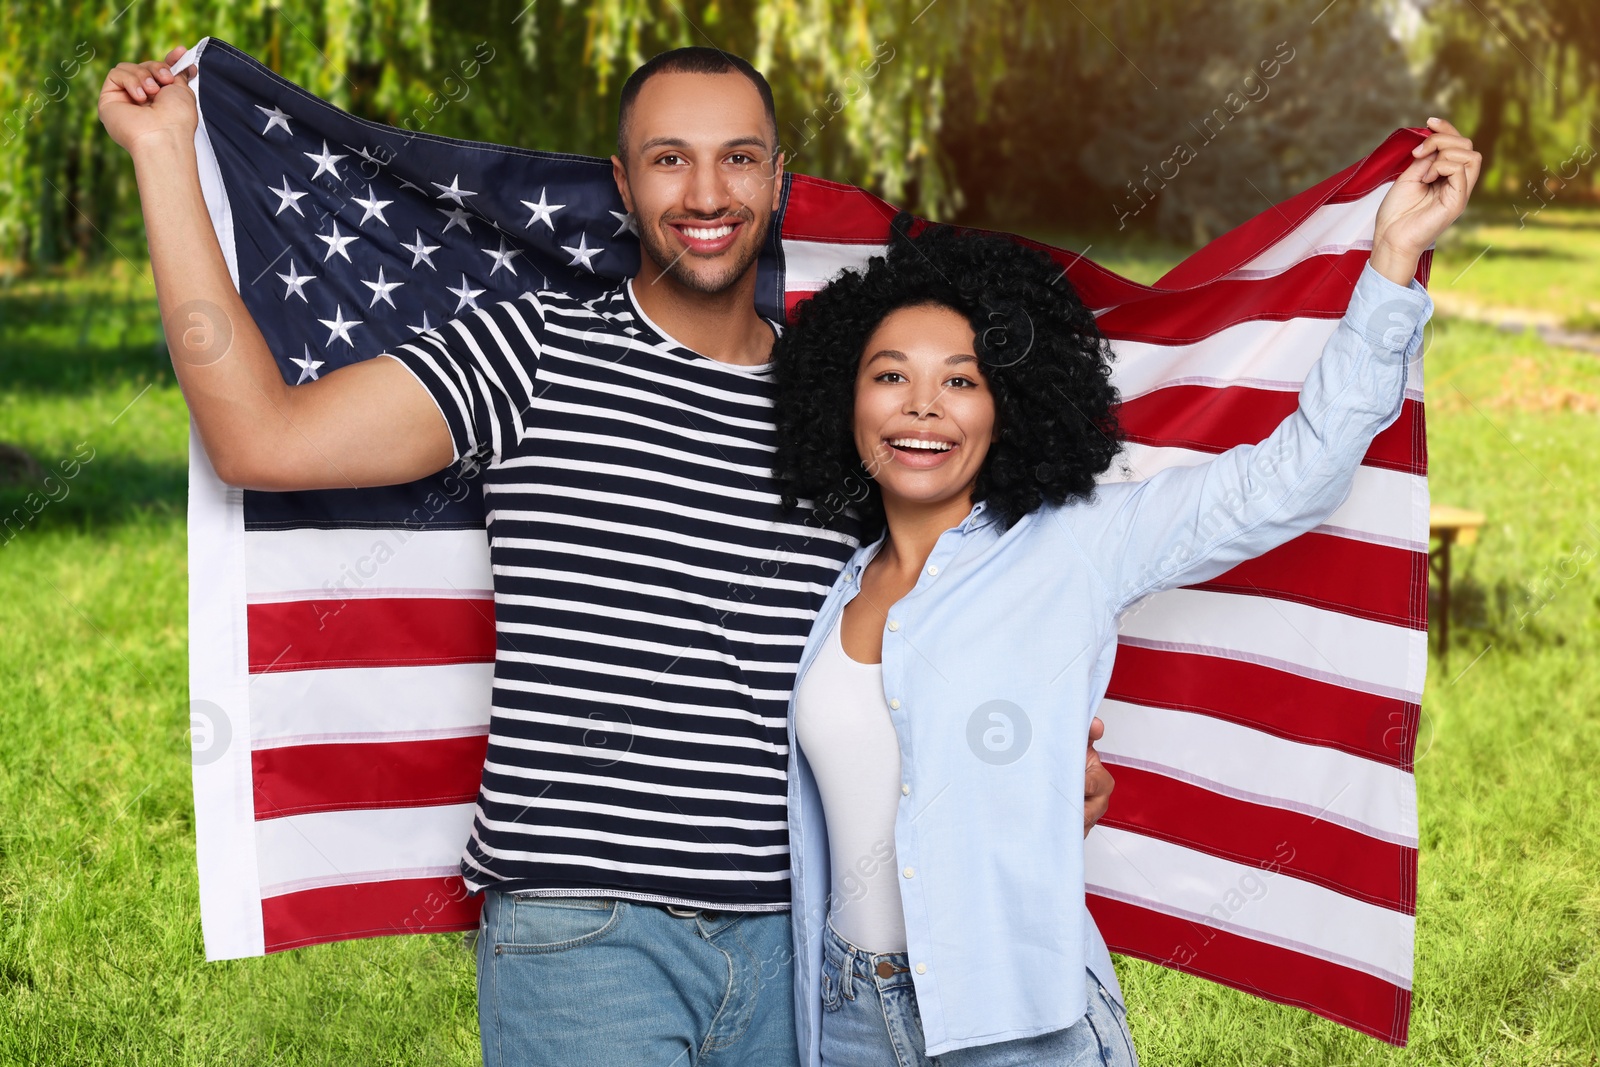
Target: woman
959,393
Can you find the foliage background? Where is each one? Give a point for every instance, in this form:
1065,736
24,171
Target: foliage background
1043,110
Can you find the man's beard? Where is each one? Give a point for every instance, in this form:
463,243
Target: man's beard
672,264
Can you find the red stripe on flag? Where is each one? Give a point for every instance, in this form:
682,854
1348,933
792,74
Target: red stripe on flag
301,635
1260,835
1211,419
1318,287
791,300
1345,995
820,210
1267,699
1316,569
825,212
368,909
299,779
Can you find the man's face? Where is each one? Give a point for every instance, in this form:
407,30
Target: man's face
700,176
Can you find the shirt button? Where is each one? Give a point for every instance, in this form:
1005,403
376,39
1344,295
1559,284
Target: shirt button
895,704
894,624
905,789
922,968
932,569
910,872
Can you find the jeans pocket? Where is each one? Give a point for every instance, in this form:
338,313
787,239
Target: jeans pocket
831,996
554,924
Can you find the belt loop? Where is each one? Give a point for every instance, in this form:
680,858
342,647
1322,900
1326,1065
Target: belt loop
848,972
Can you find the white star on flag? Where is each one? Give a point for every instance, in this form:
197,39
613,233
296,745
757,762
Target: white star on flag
468,296
502,258
325,162
276,116
366,156
583,253
286,198
308,366
542,211
626,223
296,282
456,216
372,206
424,328
420,253
381,289
453,191
339,327
336,243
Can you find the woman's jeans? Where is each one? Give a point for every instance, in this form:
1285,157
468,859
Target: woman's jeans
869,1019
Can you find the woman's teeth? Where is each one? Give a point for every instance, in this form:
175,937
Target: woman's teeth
707,233
915,442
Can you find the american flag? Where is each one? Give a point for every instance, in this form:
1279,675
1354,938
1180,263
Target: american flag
1261,726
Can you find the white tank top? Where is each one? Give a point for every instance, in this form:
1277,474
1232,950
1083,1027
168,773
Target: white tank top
842,724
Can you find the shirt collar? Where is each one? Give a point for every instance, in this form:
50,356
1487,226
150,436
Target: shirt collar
979,517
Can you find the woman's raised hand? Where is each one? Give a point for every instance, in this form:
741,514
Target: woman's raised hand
140,100
1425,199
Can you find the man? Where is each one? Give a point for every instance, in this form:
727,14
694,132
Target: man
651,594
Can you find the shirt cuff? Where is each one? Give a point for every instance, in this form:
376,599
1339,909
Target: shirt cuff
1388,317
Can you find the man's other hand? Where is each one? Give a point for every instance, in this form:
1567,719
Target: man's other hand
1097,781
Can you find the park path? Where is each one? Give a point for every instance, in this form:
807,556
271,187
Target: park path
1547,324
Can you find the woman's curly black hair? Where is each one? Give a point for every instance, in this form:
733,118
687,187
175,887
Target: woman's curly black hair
1038,346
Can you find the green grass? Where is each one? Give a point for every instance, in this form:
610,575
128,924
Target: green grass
1545,261
100,950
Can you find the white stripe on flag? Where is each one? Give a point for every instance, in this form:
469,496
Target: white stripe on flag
1329,230
346,847
1252,901
1261,353
809,265
1361,794
350,564
219,663
359,704
1372,657
1384,507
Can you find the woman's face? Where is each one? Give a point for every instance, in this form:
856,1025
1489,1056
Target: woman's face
924,415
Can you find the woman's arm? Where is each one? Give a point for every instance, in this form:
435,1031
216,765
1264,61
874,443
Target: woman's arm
1187,524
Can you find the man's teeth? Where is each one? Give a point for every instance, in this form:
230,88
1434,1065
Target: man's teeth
917,442
707,233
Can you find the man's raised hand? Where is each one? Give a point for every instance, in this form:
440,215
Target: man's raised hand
139,100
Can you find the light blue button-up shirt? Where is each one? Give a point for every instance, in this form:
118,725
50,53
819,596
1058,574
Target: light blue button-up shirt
996,660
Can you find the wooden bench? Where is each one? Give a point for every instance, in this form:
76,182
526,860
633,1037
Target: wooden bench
1452,526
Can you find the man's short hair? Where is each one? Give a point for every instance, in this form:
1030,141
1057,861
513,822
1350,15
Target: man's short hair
695,59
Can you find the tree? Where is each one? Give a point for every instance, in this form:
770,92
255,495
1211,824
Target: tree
860,85
1524,71
1186,117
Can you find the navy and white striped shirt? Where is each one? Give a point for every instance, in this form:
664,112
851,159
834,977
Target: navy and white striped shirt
652,597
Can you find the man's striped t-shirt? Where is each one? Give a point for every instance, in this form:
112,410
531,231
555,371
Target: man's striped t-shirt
652,597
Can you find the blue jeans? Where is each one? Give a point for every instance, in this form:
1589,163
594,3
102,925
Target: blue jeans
591,982
869,1019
